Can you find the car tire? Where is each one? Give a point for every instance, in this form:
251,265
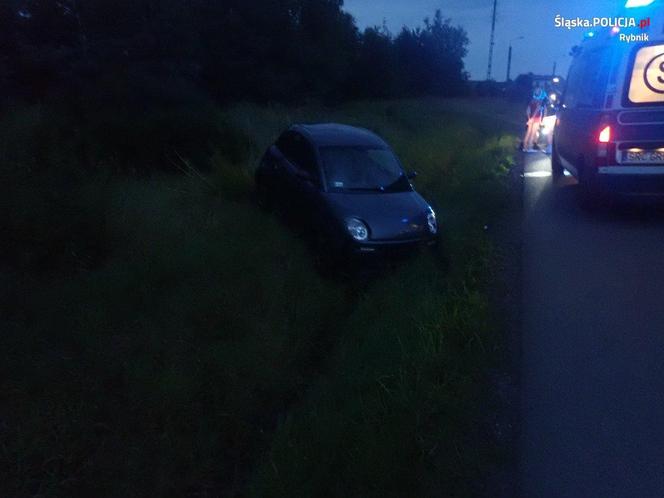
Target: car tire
590,198
557,170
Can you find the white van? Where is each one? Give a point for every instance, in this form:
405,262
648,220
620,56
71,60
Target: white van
610,128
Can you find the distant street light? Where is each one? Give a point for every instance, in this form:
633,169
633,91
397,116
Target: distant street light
509,56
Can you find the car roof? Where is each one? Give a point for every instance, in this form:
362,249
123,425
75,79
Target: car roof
334,134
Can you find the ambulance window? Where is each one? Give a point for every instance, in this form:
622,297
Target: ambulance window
646,79
614,67
573,84
594,73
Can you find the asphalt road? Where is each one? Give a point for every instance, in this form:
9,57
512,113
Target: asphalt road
592,352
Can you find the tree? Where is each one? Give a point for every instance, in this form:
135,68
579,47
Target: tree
431,59
375,67
139,52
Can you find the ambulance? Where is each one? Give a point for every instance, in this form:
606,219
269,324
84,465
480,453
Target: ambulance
609,131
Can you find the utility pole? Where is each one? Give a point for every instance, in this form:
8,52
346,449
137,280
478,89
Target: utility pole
509,57
553,73
493,30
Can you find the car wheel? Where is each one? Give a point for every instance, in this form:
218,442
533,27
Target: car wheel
557,170
590,198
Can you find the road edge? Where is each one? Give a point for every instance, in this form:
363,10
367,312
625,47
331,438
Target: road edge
506,299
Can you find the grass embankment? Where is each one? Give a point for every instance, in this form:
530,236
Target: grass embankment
163,337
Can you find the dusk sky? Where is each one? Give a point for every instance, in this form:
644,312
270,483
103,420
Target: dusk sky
542,44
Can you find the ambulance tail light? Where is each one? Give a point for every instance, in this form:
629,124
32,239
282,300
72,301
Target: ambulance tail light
605,135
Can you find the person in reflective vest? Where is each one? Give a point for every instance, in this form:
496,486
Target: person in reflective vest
534,113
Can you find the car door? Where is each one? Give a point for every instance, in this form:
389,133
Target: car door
304,180
284,168
563,134
576,140
299,179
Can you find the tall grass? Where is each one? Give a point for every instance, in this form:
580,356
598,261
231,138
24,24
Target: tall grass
163,337
399,412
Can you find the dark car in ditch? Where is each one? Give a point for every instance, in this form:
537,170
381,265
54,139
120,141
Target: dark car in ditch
348,189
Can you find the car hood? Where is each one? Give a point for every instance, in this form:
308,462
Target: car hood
390,216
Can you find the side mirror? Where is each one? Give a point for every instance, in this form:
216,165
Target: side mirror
411,175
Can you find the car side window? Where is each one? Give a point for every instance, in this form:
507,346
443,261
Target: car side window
587,80
573,83
286,144
299,152
595,78
303,156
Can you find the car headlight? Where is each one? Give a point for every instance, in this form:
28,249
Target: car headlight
357,229
432,222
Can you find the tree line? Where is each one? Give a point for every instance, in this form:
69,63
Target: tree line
140,52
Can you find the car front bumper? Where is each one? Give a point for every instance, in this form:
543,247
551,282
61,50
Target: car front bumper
392,248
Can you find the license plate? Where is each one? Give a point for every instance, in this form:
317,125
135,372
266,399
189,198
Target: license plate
643,156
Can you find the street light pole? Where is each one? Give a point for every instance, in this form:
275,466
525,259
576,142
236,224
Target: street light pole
491,43
509,56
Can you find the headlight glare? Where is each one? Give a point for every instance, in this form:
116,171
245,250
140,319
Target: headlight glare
432,222
357,229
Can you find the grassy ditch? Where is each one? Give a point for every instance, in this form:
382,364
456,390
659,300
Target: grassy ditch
163,337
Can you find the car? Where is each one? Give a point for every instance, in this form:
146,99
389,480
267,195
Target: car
610,127
348,189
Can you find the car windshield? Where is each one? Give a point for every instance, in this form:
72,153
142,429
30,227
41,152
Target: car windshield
363,169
